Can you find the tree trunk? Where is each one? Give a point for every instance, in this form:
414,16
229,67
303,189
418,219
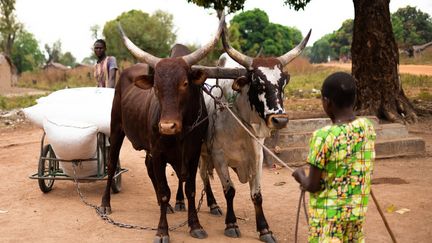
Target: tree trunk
375,64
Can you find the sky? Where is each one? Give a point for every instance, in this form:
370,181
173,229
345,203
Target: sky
70,21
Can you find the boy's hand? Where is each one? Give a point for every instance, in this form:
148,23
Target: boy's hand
299,174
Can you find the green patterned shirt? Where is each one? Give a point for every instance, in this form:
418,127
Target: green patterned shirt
345,153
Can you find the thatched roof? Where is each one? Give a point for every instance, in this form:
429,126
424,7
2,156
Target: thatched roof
82,65
55,65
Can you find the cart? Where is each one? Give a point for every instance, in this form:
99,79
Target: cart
49,169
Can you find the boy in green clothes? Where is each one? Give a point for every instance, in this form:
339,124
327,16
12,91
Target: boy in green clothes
340,161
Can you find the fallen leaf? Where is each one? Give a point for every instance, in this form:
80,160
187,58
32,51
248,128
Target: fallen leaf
281,183
403,210
390,208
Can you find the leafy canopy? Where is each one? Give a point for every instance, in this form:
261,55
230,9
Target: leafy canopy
26,54
9,25
236,5
152,33
55,54
411,26
256,34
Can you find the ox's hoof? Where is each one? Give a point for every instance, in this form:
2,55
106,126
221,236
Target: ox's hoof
161,239
232,230
215,210
170,209
180,206
104,210
267,237
198,233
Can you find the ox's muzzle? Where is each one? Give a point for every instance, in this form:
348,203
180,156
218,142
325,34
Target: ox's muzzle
170,127
277,121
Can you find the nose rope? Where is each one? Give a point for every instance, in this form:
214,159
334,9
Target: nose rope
247,130
302,196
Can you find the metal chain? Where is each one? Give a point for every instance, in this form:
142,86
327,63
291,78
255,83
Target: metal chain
197,122
108,219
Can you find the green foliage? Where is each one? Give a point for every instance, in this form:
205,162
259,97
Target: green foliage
232,5
67,59
322,50
55,54
342,38
94,29
9,25
54,51
333,45
253,32
26,54
297,4
236,5
152,33
411,26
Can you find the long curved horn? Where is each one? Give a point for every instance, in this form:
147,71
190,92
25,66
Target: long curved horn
289,56
242,59
199,54
136,51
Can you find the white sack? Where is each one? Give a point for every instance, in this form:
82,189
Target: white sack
73,141
90,105
83,94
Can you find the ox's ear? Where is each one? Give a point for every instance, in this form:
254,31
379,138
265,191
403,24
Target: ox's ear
287,76
198,76
144,81
239,83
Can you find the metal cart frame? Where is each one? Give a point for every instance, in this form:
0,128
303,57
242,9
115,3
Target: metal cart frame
50,171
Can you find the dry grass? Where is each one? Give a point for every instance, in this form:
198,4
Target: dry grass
302,92
51,79
422,58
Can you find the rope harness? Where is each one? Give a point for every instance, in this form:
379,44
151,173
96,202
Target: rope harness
217,101
302,193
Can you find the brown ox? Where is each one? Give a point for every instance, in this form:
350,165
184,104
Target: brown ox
165,115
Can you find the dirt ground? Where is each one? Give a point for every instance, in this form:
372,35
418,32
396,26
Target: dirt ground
408,69
28,215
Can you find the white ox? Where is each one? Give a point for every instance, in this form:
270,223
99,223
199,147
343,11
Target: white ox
257,100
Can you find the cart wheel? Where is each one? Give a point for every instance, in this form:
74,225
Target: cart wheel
44,168
116,185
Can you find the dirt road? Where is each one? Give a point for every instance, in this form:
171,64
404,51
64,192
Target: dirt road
408,69
28,215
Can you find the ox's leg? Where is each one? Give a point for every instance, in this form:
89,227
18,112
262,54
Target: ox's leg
255,188
150,172
116,141
197,230
163,192
180,204
205,174
211,200
232,229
